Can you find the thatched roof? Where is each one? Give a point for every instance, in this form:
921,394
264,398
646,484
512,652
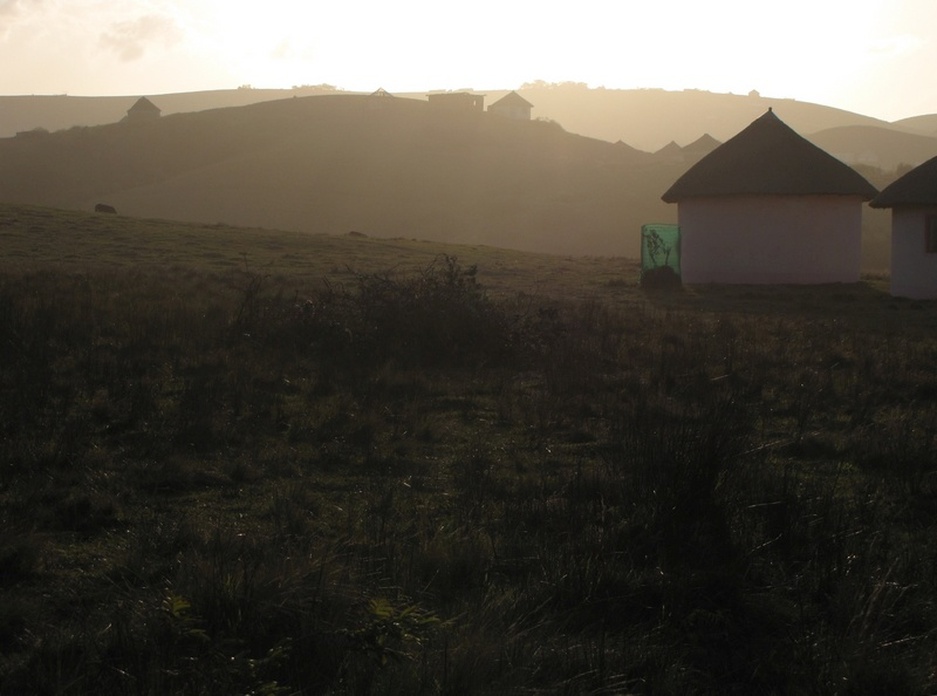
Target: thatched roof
768,157
917,187
143,105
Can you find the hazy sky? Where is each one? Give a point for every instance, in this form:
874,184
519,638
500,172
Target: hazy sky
875,57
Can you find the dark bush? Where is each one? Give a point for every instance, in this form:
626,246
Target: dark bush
660,278
440,317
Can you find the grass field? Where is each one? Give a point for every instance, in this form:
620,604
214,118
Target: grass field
245,461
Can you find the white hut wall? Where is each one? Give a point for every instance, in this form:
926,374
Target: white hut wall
913,268
771,239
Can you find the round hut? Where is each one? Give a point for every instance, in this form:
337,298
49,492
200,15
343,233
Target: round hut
769,207
913,202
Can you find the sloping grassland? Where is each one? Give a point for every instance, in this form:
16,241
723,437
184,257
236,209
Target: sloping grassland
245,461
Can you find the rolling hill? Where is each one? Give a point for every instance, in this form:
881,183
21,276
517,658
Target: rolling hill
925,124
398,167
884,148
52,112
383,167
647,119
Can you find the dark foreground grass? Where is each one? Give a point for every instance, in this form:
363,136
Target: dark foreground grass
237,481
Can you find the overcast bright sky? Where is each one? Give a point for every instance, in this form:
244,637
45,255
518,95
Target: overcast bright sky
874,57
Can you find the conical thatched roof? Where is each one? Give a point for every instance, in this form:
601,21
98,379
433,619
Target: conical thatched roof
143,105
917,187
768,157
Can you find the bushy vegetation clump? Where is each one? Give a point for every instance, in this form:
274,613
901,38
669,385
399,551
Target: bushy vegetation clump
400,484
437,318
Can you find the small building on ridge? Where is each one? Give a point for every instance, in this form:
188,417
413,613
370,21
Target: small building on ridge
512,106
142,110
457,101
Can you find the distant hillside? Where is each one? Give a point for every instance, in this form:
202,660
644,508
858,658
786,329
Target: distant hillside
647,119
60,111
383,167
925,125
386,167
884,148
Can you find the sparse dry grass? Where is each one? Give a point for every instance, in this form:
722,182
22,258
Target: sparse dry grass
77,242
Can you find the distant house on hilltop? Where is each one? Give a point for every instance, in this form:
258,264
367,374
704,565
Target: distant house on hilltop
457,101
379,98
913,200
142,110
768,206
512,106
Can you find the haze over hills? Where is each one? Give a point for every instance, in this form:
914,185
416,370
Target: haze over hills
337,162
647,119
925,125
58,111
884,148
379,166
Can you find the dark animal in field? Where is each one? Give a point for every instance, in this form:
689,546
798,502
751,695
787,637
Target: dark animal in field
105,208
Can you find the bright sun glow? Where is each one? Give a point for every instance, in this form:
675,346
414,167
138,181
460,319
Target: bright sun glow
870,56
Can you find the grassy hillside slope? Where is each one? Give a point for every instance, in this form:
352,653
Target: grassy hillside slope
77,242
341,163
